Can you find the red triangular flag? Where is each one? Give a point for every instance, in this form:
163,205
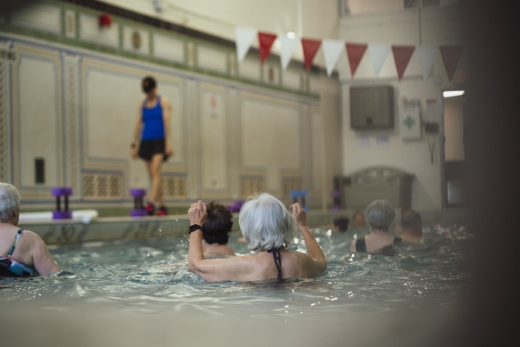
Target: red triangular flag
266,42
402,55
450,57
310,47
354,53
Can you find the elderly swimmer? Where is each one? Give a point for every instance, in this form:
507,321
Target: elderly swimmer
268,227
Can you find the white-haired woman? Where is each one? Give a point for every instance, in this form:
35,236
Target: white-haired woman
379,215
268,227
22,252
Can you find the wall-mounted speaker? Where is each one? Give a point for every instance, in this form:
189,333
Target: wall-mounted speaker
372,107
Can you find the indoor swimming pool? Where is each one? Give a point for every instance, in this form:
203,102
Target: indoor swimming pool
139,289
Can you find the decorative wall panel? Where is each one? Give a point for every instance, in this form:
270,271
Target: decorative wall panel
71,116
90,31
168,48
102,186
136,40
38,130
270,130
43,17
213,139
211,59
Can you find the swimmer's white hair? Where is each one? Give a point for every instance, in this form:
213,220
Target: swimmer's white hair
266,223
9,202
380,214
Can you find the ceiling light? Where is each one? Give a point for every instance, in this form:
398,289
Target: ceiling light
450,93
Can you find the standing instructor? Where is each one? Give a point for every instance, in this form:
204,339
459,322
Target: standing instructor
151,140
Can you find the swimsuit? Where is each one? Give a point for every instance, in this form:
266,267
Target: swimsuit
277,261
12,268
361,246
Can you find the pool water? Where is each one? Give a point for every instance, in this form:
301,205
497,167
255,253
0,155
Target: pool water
151,276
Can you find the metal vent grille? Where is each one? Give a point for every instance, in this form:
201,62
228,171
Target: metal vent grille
102,187
291,184
251,185
174,187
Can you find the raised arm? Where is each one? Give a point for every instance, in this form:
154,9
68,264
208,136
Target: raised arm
167,111
319,262
137,131
197,213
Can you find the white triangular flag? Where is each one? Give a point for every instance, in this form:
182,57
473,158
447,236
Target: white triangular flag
287,48
331,51
426,56
244,38
378,55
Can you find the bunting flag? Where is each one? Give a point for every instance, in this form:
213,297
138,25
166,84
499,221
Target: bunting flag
426,55
287,48
244,38
310,48
378,55
266,42
355,52
402,56
450,58
331,51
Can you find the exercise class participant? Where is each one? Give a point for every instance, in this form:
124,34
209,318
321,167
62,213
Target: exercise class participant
152,130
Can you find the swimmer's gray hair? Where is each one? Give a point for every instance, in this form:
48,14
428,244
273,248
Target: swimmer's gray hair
9,202
380,214
265,223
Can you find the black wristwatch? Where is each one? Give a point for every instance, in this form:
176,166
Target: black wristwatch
195,227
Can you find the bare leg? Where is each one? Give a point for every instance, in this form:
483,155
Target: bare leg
154,172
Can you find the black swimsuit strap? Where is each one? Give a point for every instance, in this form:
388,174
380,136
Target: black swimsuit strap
278,262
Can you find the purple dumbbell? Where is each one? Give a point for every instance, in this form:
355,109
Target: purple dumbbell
58,192
139,210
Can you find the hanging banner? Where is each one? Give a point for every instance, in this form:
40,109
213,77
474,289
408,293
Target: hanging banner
287,48
402,55
450,57
354,53
426,56
244,38
266,42
310,47
331,51
378,55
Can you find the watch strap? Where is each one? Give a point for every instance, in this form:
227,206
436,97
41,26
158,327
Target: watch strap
195,227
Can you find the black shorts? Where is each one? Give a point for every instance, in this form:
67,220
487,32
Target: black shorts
149,148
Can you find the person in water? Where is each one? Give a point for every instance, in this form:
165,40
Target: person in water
151,140
268,228
409,228
379,215
215,231
22,252
340,224
358,220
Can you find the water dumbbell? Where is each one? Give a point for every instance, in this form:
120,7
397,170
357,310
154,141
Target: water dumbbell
64,192
138,210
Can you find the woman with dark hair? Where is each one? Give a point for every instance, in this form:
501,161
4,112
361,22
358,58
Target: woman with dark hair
215,231
268,227
151,140
22,252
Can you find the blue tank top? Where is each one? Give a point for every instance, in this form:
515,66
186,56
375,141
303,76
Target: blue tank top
153,122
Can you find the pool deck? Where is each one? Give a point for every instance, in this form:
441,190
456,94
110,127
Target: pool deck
78,231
